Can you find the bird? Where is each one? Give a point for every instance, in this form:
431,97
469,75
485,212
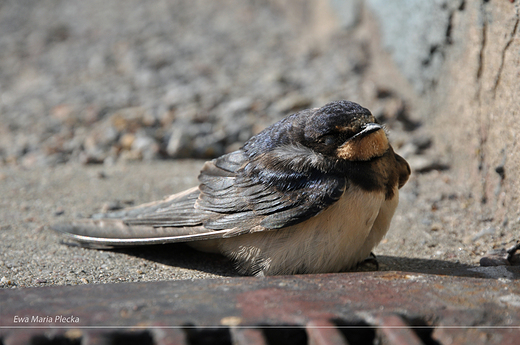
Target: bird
313,193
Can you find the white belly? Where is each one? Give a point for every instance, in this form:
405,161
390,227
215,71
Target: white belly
335,240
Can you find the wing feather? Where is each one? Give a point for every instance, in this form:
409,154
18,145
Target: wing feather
267,191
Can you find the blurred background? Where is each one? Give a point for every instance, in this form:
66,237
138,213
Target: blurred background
102,83
96,82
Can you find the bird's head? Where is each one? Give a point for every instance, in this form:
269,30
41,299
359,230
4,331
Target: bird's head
345,130
327,140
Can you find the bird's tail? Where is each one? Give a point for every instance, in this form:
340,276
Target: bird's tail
174,219
115,233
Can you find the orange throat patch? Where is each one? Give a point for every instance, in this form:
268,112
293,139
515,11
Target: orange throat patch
365,148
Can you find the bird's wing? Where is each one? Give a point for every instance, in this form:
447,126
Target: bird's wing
236,195
271,191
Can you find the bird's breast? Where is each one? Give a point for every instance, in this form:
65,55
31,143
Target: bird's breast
332,241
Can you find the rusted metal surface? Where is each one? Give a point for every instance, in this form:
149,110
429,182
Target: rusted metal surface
349,308
324,332
396,331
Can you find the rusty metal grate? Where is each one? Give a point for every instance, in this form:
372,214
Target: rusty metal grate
355,308
313,333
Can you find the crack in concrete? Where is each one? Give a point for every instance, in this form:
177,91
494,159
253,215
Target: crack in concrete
508,44
483,44
482,135
449,29
481,53
481,117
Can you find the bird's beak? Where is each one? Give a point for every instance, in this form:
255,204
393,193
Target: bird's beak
367,129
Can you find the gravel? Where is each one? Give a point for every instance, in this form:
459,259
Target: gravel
94,81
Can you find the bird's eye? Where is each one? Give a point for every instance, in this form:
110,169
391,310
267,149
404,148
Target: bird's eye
328,140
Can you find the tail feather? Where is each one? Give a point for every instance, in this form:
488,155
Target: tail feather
114,232
174,219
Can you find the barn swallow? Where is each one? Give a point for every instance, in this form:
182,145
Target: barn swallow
312,193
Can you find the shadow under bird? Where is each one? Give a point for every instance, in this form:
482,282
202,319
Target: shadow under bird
313,193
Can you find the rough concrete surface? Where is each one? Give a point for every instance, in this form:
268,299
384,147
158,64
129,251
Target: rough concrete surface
421,239
477,96
94,95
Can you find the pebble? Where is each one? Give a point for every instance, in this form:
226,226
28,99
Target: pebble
112,206
126,141
192,140
484,232
146,146
495,258
511,299
292,103
237,106
425,163
132,118
6,282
